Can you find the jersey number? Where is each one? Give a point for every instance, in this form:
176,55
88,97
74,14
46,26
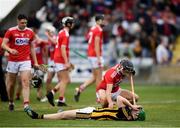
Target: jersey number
90,36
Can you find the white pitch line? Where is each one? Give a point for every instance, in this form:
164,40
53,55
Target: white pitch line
161,102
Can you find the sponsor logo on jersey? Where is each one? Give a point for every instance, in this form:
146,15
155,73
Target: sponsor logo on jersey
21,41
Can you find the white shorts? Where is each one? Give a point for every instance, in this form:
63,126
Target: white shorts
85,110
51,66
59,67
94,62
15,67
113,95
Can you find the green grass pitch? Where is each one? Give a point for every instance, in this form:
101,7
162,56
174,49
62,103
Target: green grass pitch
161,104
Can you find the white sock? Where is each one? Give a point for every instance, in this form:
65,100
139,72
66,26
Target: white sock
26,105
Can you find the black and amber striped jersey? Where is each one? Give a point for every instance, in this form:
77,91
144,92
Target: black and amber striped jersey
123,113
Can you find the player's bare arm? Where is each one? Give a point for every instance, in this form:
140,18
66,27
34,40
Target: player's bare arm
63,51
33,54
126,102
45,53
39,40
7,48
108,95
97,47
50,38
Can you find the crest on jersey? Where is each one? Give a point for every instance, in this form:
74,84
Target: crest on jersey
22,34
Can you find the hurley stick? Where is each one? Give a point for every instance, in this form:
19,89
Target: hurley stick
132,89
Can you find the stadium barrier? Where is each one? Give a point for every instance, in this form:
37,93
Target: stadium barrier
146,71
165,74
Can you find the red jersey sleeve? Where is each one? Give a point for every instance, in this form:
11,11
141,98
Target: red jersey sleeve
108,78
97,33
8,34
32,36
0,45
1,42
64,40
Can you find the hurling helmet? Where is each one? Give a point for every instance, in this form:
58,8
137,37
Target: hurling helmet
67,20
36,81
127,65
141,115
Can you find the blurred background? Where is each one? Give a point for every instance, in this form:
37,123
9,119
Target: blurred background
146,31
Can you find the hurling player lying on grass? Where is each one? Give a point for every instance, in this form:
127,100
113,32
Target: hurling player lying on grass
125,111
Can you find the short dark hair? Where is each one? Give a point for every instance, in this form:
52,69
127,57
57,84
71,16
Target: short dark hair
99,17
22,16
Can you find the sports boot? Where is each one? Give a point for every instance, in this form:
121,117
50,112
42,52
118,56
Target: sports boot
50,98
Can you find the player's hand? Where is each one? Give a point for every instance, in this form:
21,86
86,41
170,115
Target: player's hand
36,66
43,68
99,63
13,52
6,54
39,41
71,67
67,65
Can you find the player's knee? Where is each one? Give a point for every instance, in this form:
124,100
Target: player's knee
9,85
25,83
8,88
62,115
48,81
68,81
119,98
65,81
136,97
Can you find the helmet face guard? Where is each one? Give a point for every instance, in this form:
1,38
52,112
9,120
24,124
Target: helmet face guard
36,82
141,115
129,70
